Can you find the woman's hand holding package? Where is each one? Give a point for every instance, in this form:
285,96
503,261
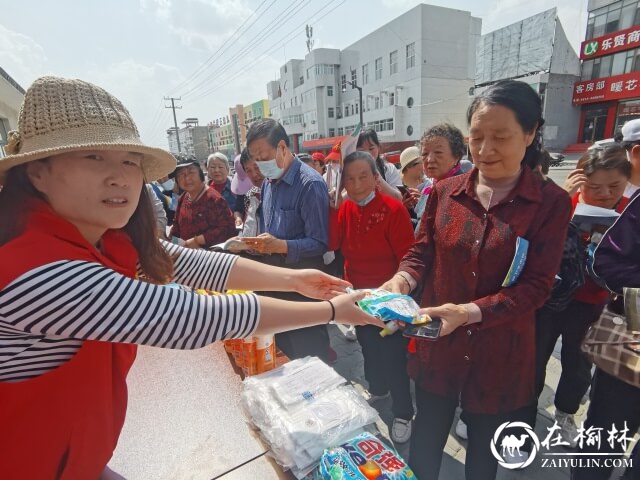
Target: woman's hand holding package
452,316
397,284
349,313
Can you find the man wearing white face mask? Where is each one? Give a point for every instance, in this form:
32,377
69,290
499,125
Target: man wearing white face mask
294,216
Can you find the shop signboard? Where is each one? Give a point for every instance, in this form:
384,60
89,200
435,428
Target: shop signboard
610,43
605,89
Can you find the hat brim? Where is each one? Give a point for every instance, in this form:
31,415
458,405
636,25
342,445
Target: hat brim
156,162
240,186
408,162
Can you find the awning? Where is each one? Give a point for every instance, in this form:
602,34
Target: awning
322,143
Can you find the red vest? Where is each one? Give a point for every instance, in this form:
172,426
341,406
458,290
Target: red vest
64,424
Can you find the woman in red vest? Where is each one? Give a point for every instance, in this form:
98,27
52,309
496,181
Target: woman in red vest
81,282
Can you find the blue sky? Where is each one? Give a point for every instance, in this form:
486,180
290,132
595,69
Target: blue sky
142,50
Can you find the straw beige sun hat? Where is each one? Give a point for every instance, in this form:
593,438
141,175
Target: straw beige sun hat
60,115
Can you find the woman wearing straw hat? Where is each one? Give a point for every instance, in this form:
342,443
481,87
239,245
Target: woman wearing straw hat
80,283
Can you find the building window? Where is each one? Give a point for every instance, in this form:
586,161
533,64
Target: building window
629,16
332,132
343,82
354,77
330,112
357,109
411,55
392,98
393,62
365,74
346,110
340,131
618,64
612,18
378,68
376,103
330,91
338,112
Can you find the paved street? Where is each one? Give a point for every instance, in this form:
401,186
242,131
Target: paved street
559,174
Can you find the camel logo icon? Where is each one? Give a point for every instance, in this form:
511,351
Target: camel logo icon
507,446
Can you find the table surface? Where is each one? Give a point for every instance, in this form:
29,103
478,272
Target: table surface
184,420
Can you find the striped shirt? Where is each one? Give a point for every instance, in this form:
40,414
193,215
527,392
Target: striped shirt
46,313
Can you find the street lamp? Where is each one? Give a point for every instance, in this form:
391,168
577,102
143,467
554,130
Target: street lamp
354,85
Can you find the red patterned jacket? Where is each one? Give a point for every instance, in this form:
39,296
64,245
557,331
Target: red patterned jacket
209,216
462,254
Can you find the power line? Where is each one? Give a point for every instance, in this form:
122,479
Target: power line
157,116
219,51
295,8
269,49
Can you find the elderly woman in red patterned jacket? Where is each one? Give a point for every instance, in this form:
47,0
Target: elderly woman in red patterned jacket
485,358
203,217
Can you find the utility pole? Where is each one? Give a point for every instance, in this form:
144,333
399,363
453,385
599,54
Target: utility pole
355,85
175,122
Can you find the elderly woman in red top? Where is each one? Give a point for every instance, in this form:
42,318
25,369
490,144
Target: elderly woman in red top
374,232
485,358
203,217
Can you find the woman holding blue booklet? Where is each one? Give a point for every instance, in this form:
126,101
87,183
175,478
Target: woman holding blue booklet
465,248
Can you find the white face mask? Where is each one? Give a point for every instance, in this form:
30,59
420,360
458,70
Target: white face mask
168,185
367,200
270,169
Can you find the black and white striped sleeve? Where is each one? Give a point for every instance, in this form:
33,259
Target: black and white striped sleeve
86,301
199,268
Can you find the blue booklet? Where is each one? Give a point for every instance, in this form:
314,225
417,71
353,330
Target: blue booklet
517,265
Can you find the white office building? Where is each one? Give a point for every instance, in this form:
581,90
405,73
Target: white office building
414,72
193,140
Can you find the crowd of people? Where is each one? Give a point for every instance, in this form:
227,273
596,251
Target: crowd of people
444,227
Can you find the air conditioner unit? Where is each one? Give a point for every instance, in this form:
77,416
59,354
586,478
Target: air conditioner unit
304,125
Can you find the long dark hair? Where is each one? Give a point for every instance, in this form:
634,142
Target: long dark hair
17,195
371,136
526,105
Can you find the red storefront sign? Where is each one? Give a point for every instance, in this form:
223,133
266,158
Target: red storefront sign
322,142
605,89
610,43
